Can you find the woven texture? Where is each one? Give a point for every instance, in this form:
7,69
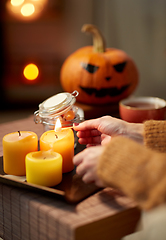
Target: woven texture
26,215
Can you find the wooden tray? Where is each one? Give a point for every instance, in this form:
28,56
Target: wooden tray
72,188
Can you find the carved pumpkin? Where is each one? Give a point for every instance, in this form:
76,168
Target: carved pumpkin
101,75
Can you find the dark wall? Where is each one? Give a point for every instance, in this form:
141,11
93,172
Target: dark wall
2,57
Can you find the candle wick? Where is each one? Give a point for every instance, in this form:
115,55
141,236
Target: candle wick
56,136
44,157
19,133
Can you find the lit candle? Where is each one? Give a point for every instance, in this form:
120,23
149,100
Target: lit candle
61,141
15,147
44,168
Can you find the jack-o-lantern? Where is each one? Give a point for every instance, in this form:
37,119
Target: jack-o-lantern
101,75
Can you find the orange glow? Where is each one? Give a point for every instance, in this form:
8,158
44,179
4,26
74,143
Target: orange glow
31,72
58,125
16,2
70,115
27,9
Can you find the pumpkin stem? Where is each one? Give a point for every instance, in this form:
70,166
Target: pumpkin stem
98,39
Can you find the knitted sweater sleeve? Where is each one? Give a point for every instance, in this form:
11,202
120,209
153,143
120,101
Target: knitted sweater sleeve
155,135
138,171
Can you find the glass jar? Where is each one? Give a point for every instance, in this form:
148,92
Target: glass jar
59,106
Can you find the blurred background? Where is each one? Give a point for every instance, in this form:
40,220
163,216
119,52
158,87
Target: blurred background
42,33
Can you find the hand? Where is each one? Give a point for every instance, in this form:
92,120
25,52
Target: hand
100,130
86,162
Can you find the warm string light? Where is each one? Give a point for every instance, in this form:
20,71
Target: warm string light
25,9
16,2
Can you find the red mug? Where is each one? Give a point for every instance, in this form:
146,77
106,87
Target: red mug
139,109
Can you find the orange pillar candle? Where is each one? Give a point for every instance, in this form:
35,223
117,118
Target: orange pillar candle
61,141
15,147
44,168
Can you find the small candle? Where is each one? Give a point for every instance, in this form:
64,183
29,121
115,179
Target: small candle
61,141
15,147
44,168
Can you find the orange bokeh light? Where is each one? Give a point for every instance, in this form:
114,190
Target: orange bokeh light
31,72
27,9
16,2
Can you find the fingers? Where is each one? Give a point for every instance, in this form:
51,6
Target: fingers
88,178
88,133
86,125
90,140
86,162
91,178
78,161
78,158
82,159
80,170
105,139
84,167
92,145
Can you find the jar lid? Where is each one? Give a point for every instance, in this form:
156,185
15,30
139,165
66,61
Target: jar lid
57,104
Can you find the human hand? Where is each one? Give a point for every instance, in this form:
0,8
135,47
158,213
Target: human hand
86,162
100,130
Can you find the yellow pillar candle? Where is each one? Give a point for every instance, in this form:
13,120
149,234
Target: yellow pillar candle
61,141
44,168
15,147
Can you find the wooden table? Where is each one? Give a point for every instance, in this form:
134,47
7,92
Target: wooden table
29,215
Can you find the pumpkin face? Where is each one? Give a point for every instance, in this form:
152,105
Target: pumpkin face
99,78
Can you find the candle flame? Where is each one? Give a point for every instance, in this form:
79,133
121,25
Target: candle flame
58,125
